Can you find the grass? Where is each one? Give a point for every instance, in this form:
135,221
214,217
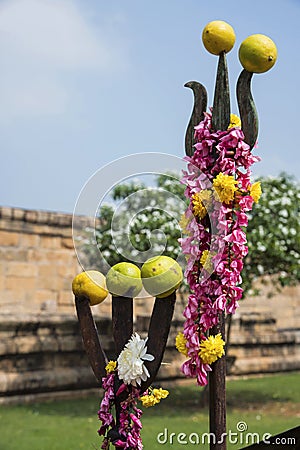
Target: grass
268,405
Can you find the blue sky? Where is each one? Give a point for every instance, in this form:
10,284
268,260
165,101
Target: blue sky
83,83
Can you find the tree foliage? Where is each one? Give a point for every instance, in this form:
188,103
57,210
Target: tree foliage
274,234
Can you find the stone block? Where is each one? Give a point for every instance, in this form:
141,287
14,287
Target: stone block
50,241
69,343
49,343
103,309
9,239
6,212
62,220
36,255
28,344
42,295
67,271
12,300
41,229
18,214
48,283
45,330
29,240
65,284
21,269
51,256
13,254
66,297
2,283
43,216
3,383
26,327
49,306
67,328
31,216
20,283
8,346
47,270
67,243
46,299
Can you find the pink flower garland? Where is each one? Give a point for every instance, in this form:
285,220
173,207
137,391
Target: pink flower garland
221,231
128,434
104,413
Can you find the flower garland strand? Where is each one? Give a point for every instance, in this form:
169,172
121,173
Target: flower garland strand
129,368
220,193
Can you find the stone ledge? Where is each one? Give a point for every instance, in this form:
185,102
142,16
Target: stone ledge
27,334
8,215
53,395
287,337
46,381
268,364
42,319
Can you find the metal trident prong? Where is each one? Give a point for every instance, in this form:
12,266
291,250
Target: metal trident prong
247,108
221,105
200,105
122,323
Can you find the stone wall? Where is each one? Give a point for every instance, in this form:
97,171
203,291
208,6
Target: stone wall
40,344
37,261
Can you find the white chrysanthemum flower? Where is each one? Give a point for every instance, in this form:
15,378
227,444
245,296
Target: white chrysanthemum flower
131,367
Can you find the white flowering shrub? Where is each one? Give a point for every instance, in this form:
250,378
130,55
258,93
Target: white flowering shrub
274,234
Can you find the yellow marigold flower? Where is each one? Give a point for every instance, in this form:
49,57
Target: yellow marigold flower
225,187
183,223
206,261
255,191
154,397
149,400
235,121
160,393
180,344
211,349
201,202
111,366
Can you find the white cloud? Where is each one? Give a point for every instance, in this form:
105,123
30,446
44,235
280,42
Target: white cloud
42,43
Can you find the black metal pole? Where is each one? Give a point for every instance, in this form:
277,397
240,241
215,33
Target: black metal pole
217,395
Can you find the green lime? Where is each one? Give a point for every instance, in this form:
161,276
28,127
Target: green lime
124,279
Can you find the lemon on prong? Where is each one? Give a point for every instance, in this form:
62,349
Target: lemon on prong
257,53
161,276
90,284
218,36
124,279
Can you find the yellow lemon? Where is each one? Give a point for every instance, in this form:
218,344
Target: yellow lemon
90,284
124,279
257,53
218,36
161,276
